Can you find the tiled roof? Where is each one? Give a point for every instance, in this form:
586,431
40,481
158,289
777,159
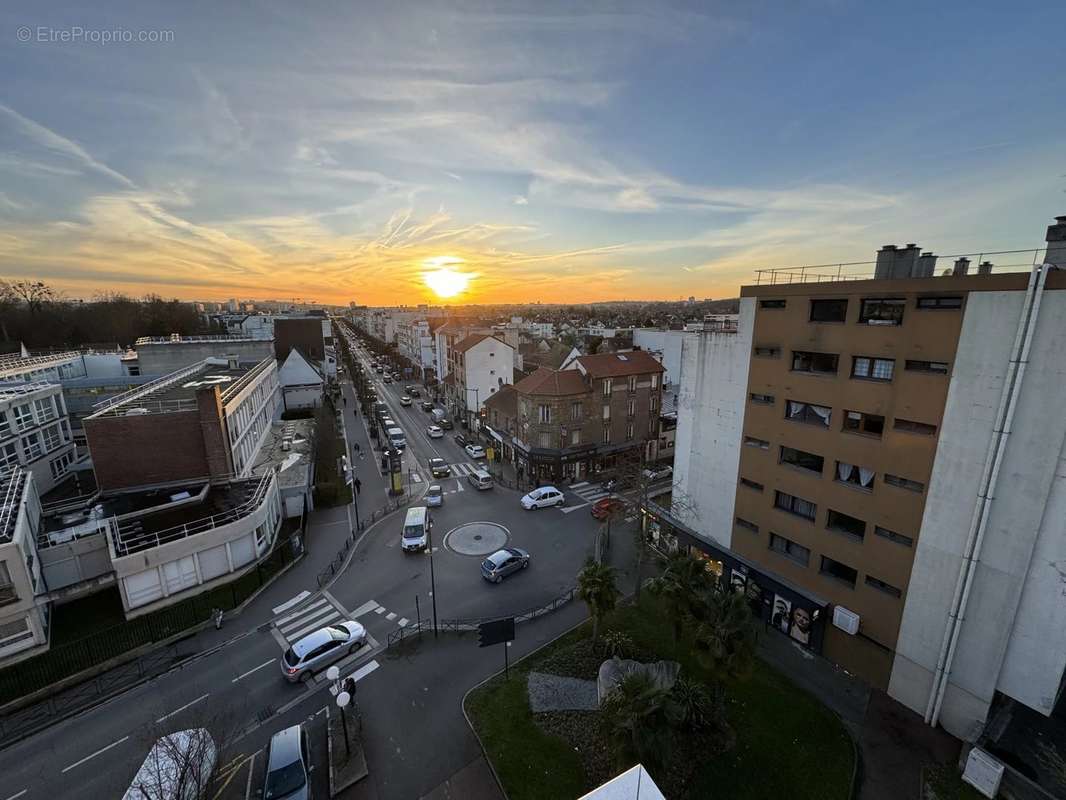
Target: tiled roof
505,401
553,382
474,339
631,362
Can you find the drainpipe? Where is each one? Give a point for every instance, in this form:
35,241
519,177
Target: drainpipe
989,479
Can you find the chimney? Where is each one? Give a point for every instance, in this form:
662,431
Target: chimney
907,261
984,268
962,267
886,258
1056,243
926,266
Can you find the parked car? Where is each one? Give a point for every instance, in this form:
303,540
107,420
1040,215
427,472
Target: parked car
439,468
414,391
480,479
405,400
460,440
475,450
434,496
606,506
542,497
387,379
318,650
396,376
378,369
435,432
503,562
658,473
426,405
288,766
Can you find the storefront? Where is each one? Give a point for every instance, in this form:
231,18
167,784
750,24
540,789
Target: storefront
779,603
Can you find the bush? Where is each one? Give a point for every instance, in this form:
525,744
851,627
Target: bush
617,644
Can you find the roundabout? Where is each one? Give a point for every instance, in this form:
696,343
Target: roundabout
476,538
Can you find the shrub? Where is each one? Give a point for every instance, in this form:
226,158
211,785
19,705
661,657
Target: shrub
617,644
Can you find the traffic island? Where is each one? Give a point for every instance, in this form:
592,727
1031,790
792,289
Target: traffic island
347,761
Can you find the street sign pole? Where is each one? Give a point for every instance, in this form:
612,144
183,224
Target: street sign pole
506,673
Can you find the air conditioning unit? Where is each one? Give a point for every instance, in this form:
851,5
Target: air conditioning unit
846,619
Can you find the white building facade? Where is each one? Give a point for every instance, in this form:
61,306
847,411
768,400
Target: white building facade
35,432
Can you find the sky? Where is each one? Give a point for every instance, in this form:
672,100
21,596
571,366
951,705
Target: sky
569,152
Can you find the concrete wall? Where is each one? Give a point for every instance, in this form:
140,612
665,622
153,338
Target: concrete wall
487,363
302,397
1014,633
710,419
164,358
75,561
103,365
666,346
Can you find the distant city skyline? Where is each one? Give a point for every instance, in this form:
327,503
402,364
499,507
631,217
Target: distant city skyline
487,154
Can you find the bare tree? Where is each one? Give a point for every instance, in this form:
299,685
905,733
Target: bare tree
8,301
33,293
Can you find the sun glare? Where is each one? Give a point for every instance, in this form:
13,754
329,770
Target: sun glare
445,282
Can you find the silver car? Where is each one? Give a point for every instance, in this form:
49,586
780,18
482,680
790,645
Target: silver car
434,496
318,650
503,562
288,766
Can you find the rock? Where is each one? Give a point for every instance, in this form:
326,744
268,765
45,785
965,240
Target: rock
662,673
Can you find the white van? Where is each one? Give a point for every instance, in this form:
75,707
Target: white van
396,438
480,479
415,535
178,767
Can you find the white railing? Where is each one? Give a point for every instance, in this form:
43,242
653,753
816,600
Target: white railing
11,486
147,388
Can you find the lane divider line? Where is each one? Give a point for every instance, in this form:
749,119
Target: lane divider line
254,669
94,755
179,710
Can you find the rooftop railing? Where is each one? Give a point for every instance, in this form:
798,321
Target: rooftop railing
1016,261
177,339
146,389
11,486
251,375
22,389
10,365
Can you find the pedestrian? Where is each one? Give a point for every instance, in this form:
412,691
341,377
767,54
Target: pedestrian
356,446
345,402
358,485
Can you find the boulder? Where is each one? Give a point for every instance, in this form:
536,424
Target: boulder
662,673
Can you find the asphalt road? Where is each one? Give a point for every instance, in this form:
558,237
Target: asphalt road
415,735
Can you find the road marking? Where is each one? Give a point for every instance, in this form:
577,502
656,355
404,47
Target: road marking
321,622
301,612
416,477
579,485
179,710
94,755
390,616
568,509
365,608
303,618
379,610
458,486
15,796
364,670
251,771
290,603
403,622
253,669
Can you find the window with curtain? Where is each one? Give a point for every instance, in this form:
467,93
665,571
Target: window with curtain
809,413
855,475
795,505
874,369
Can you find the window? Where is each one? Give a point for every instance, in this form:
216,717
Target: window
935,302
892,536
31,446
881,586
940,367
23,416
869,424
544,412
762,399
606,412
46,408
53,438
843,523
795,505
629,432
654,381
606,387
653,403
751,441
796,411
14,632
575,411
874,369
801,459
746,525
606,434
9,455
861,477
754,485
910,426
771,304
631,407
767,351
789,549
904,483
821,363
651,425
3,423
631,383
837,571
575,437
829,310
882,311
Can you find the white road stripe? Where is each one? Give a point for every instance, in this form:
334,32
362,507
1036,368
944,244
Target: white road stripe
403,622
179,710
253,669
303,619
314,626
16,796
594,495
364,670
379,610
416,477
390,616
579,485
365,608
301,612
94,755
568,509
290,603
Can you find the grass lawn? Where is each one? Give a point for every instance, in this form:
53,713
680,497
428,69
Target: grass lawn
788,744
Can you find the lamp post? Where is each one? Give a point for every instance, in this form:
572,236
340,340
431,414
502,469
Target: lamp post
343,699
432,579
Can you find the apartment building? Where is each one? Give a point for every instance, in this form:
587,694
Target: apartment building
162,355
877,460
450,334
35,432
480,365
210,419
23,623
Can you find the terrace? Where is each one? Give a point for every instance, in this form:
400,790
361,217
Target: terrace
177,392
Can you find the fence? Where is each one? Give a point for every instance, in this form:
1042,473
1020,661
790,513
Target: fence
64,661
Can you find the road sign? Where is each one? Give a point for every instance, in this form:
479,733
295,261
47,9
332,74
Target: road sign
496,631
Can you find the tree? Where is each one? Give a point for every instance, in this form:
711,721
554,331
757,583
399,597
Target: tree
8,301
724,635
33,293
682,586
596,587
640,716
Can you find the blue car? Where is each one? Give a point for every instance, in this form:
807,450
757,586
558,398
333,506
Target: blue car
434,496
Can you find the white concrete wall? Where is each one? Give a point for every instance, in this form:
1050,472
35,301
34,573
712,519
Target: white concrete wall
486,363
1011,586
103,365
710,419
302,397
664,345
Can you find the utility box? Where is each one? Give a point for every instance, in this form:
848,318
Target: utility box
846,619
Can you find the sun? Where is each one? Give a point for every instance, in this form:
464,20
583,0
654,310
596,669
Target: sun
444,281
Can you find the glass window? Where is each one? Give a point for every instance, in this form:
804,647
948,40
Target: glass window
747,525
880,585
654,380
802,459
904,483
575,437
653,402
46,408
809,413
606,387
631,383
755,485
882,311
789,549
544,412
23,416
795,505
575,410
606,434
822,363
940,302
9,454
838,571
911,426
767,351
606,412
31,446
629,432
940,367
892,536
53,438
874,369
843,523
851,474
762,399
771,304
751,441
829,310
631,407
858,422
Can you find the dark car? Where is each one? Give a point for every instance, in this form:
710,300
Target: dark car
288,766
608,506
439,468
503,562
426,406
460,440
414,391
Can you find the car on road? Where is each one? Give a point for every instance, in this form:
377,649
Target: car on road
288,766
542,497
480,479
475,450
415,534
318,650
435,432
439,468
658,473
379,369
414,391
503,562
396,376
426,405
606,506
460,440
405,400
386,379
434,496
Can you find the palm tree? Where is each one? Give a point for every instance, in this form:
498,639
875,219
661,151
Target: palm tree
681,586
724,638
595,585
639,717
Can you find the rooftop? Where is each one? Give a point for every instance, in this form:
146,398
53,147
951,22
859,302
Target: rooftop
16,365
553,382
11,391
630,362
288,449
505,401
473,340
177,338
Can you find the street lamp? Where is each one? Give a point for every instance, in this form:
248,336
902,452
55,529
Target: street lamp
343,699
432,579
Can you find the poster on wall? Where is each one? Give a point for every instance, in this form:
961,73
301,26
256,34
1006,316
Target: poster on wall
801,625
781,616
737,580
754,595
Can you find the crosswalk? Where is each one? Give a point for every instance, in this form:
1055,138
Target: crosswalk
320,612
590,492
465,469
